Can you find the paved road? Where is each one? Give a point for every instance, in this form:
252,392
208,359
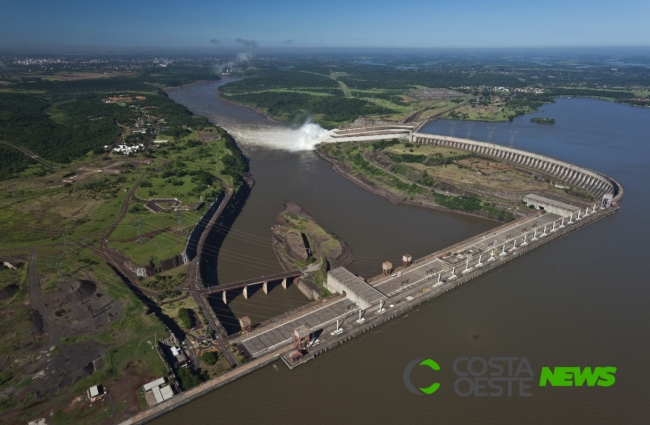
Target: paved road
30,154
204,305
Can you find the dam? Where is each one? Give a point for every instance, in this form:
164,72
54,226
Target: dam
359,305
592,181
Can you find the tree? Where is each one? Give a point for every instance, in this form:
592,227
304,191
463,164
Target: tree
188,378
186,317
209,357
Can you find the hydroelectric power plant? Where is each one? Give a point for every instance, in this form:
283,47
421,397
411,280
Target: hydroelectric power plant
358,305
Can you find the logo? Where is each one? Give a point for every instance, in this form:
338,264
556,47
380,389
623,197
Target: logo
508,376
493,377
575,376
407,376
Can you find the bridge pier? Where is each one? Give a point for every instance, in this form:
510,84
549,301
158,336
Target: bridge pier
223,297
284,283
246,291
265,287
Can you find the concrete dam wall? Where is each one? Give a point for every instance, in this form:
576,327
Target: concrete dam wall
592,181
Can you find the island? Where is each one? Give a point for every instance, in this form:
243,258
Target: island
301,242
543,120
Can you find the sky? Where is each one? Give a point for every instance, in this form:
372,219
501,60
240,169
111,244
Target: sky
216,25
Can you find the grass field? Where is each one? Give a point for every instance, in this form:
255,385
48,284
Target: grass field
171,309
218,368
170,176
427,174
470,172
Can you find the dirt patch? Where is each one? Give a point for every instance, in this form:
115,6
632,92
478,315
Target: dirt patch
8,291
205,136
123,391
79,306
56,369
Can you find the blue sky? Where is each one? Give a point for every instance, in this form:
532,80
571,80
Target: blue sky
334,23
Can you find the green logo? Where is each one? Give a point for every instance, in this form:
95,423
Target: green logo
407,376
575,376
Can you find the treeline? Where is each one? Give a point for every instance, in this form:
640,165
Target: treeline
12,162
276,79
235,163
148,81
24,121
368,76
289,106
473,204
617,95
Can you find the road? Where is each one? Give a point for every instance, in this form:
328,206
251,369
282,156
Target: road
194,281
123,210
31,154
204,305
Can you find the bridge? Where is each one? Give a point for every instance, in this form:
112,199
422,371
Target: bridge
263,280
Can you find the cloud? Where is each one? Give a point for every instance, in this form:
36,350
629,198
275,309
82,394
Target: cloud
214,41
249,44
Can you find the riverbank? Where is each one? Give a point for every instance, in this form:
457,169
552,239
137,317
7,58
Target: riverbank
251,107
391,197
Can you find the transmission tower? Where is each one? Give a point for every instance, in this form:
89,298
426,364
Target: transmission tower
66,243
179,218
64,233
513,133
453,126
138,227
14,190
490,131
57,263
469,128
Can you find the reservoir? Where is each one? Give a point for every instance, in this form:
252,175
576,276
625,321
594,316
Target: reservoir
580,301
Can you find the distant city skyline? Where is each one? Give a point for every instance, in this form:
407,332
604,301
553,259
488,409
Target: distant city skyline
217,27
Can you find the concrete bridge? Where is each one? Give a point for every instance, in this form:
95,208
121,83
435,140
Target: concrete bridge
263,280
592,181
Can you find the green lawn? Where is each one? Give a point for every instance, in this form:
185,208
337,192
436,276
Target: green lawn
160,247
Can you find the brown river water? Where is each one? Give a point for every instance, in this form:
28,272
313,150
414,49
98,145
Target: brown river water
579,301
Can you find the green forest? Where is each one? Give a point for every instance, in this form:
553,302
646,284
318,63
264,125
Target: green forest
64,120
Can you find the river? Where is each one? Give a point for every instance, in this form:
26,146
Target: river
580,301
